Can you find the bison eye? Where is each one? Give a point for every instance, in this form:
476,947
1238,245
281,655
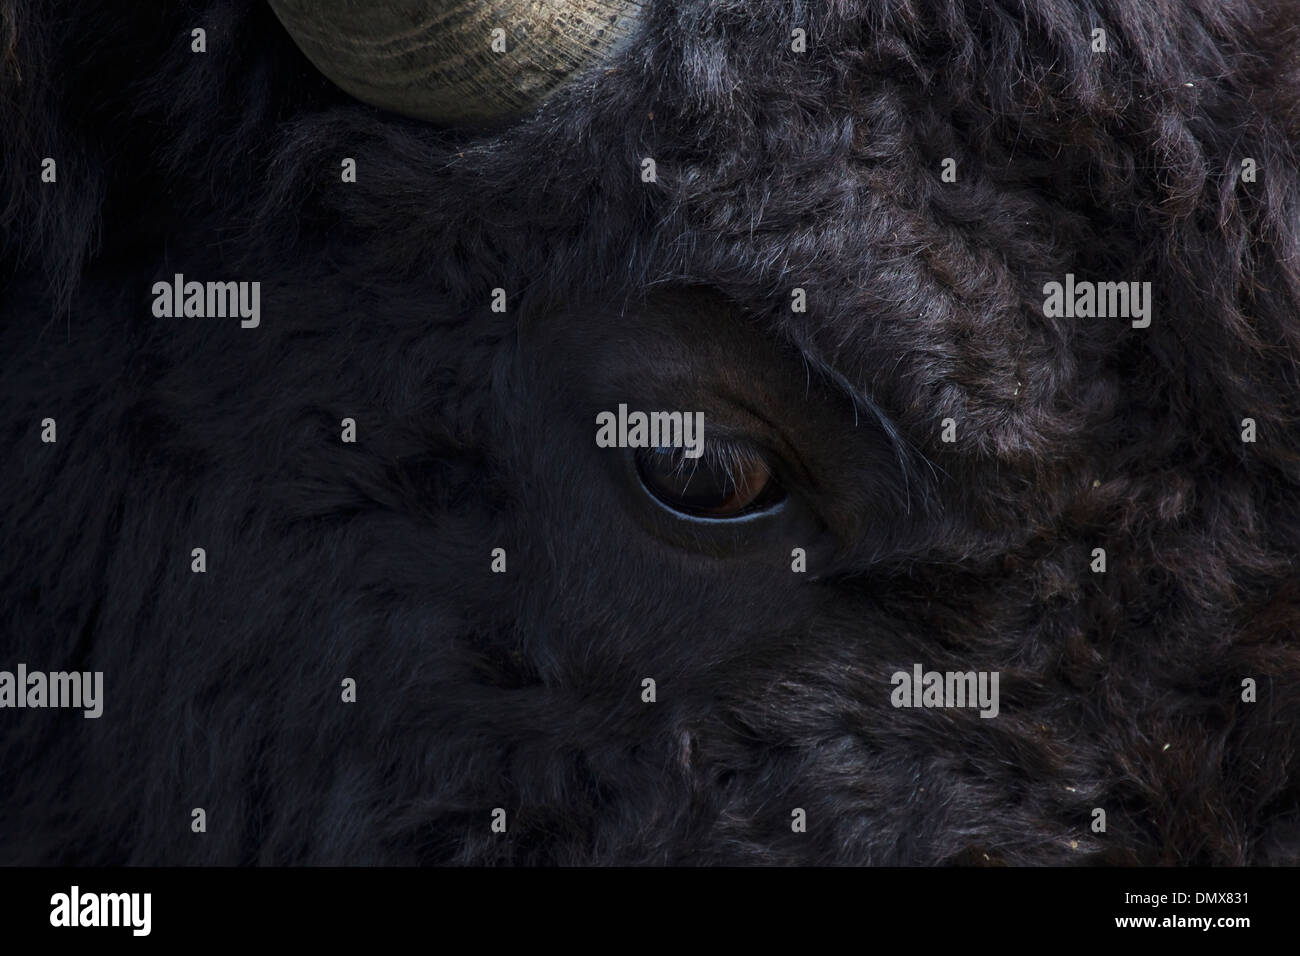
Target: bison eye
725,482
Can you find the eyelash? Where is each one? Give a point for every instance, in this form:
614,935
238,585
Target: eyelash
725,457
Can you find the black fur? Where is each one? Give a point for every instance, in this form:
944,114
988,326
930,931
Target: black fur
522,690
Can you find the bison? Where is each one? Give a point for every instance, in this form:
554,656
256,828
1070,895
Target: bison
312,312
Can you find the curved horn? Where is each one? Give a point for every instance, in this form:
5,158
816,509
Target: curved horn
440,60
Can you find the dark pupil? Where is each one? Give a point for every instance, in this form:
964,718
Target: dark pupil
701,486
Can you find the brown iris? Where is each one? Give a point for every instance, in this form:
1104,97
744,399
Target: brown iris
724,482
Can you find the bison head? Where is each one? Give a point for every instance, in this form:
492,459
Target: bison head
990,313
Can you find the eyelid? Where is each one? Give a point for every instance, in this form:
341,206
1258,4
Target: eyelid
781,455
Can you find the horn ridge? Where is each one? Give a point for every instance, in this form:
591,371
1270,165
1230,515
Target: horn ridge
434,59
